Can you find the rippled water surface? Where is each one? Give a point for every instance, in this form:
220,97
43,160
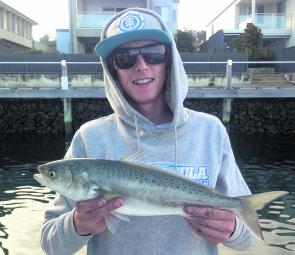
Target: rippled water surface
266,163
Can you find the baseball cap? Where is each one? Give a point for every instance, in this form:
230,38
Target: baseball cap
131,25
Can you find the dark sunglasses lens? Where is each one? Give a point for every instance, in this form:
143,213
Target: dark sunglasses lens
155,54
154,58
125,60
152,54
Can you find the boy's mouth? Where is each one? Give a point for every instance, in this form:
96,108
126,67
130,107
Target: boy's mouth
142,81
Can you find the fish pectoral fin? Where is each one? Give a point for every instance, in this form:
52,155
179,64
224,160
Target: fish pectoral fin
113,219
112,222
121,216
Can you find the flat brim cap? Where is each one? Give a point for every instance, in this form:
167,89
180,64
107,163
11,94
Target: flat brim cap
131,26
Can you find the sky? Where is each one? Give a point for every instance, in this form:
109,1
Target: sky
53,14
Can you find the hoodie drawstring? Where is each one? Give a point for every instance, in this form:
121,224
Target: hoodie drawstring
175,140
175,147
137,132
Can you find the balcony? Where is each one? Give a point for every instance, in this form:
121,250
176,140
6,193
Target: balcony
93,20
15,38
271,24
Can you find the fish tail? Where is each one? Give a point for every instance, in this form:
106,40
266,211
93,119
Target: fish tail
252,203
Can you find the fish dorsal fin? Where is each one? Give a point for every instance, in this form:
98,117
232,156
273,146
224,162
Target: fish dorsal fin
135,156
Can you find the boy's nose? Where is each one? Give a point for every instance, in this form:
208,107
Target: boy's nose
140,63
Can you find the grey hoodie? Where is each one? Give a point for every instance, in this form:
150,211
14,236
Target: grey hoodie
195,145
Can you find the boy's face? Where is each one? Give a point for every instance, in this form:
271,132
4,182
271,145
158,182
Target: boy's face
143,82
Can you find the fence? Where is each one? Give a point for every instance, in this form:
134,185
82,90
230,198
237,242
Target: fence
213,63
89,64
49,64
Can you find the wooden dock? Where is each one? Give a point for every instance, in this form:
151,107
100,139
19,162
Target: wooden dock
229,90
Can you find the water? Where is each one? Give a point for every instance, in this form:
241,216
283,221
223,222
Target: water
266,163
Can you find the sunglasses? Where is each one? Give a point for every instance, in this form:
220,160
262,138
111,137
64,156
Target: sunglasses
124,58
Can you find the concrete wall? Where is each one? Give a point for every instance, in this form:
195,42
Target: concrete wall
96,80
49,80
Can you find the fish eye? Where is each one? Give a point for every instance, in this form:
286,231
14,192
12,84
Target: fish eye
52,174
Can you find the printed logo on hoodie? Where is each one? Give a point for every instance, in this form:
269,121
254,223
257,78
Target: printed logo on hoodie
195,173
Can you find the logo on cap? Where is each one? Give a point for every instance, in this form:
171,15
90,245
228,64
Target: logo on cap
130,22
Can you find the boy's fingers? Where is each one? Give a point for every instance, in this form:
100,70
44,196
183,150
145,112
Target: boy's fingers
207,212
89,205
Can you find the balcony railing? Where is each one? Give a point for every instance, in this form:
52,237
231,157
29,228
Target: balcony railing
268,21
273,20
92,20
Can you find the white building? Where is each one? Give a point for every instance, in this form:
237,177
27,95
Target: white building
88,17
15,30
274,17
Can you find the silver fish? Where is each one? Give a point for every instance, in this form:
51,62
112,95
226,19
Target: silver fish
146,190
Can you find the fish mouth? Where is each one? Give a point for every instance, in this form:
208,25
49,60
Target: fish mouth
38,178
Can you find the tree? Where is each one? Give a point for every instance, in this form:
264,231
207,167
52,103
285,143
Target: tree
201,37
186,41
48,45
45,39
251,42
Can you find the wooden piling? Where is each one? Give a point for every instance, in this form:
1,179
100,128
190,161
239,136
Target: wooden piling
226,112
67,104
68,117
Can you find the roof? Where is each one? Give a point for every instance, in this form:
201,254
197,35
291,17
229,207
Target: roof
233,2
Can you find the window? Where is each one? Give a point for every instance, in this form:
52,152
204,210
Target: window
1,18
281,7
260,8
163,11
109,9
157,10
165,14
174,15
260,15
120,9
89,48
245,11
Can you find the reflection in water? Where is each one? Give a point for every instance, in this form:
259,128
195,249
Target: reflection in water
24,219
22,202
267,164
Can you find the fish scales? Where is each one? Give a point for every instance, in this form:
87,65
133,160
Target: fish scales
152,184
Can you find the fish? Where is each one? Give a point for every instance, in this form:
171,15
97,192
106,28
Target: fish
146,190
